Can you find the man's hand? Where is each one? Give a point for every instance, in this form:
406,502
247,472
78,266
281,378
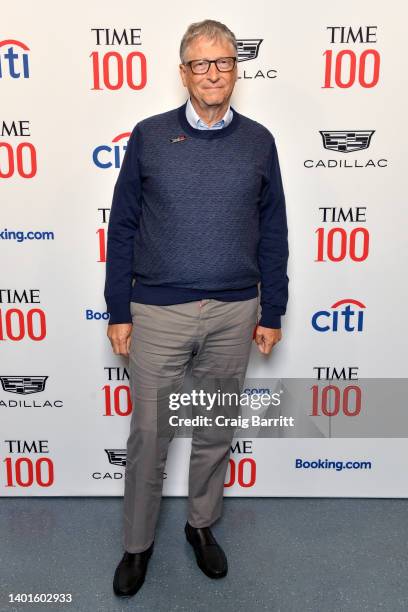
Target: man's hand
266,337
120,335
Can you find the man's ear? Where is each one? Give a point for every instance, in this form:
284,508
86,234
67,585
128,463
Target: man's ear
182,74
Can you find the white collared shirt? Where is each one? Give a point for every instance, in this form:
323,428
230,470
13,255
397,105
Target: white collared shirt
195,120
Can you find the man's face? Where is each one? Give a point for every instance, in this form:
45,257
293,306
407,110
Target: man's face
214,87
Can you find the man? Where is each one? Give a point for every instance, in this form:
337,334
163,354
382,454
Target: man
198,219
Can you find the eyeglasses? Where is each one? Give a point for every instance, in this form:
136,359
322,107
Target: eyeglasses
202,66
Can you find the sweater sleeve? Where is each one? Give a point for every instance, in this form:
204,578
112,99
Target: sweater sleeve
123,224
273,251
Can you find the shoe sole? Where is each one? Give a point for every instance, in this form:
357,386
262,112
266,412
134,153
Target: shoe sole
200,565
127,595
133,591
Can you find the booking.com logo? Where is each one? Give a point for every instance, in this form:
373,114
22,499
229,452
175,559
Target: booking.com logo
20,235
13,62
106,156
326,464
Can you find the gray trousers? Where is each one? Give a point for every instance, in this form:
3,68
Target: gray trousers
213,339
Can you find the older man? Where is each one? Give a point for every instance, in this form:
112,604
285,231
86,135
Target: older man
198,220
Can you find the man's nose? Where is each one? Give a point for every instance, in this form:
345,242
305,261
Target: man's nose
213,72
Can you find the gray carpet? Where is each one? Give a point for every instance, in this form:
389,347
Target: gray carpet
285,555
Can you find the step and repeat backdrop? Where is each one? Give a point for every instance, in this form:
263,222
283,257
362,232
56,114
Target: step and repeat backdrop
329,82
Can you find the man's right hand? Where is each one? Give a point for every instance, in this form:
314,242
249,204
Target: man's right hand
120,335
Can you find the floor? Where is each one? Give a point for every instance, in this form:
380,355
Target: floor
284,554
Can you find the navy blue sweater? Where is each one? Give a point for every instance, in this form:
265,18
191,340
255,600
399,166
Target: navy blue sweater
197,214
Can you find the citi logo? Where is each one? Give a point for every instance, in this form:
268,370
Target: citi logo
346,315
13,59
108,156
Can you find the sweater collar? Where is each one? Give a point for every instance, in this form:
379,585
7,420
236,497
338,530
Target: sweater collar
207,134
195,120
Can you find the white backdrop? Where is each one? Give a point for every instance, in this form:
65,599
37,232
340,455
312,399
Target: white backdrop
56,431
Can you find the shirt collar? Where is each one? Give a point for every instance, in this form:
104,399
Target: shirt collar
195,120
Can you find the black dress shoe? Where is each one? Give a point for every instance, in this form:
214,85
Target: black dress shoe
210,557
131,571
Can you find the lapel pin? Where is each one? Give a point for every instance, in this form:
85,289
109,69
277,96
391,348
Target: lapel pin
178,138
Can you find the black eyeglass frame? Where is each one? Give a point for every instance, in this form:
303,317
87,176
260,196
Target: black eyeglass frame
211,62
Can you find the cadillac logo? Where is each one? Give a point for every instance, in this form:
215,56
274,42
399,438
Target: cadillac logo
248,48
23,385
345,141
116,456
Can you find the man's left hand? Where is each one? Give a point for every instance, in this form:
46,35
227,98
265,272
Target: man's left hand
266,338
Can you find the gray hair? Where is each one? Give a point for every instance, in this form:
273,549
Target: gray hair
208,28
